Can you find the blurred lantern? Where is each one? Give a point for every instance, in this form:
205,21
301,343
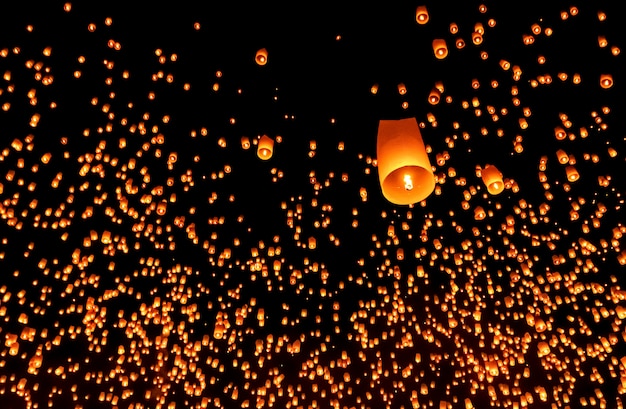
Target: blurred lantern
572,173
401,89
440,48
245,142
606,81
404,170
492,178
261,56
434,97
266,147
421,15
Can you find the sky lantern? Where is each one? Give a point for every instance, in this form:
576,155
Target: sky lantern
404,170
492,178
440,48
572,173
421,15
265,148
434,97
261,57
606,81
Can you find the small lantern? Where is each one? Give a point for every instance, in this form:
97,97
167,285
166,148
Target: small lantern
404,170
572,173
606,81
421,15
477,38
492,178
261,56
440,48
265,148
434,97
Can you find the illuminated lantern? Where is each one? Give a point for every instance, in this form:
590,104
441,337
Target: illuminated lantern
245,142
562,157
492,178
421,15
261,56
606,81
477,38
404,170
434,97
560,133
374,89
479,213
401,89
440,48
572,174
265,148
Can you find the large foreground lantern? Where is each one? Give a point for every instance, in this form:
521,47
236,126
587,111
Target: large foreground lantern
404,170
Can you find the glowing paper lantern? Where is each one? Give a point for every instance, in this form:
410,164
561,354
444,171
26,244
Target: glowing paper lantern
421,15
440,48
606,81
492,178
404,170
261,56
265,148
572,173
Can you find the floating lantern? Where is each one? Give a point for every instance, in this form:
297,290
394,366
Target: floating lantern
404,170
261,57
492,178
606,81
440,48
421,15
434,97
572,174
477,38
266,147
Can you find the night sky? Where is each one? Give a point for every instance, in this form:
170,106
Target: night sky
149,258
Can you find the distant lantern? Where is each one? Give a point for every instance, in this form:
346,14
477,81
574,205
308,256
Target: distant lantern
404,171
421,15
401,89
492,178
572,173
477,38
261,56
562,157
606,81
265,148
440,48
245,142
434,97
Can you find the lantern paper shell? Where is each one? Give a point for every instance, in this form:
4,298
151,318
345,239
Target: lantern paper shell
492,178
261,56
265,148
404,170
